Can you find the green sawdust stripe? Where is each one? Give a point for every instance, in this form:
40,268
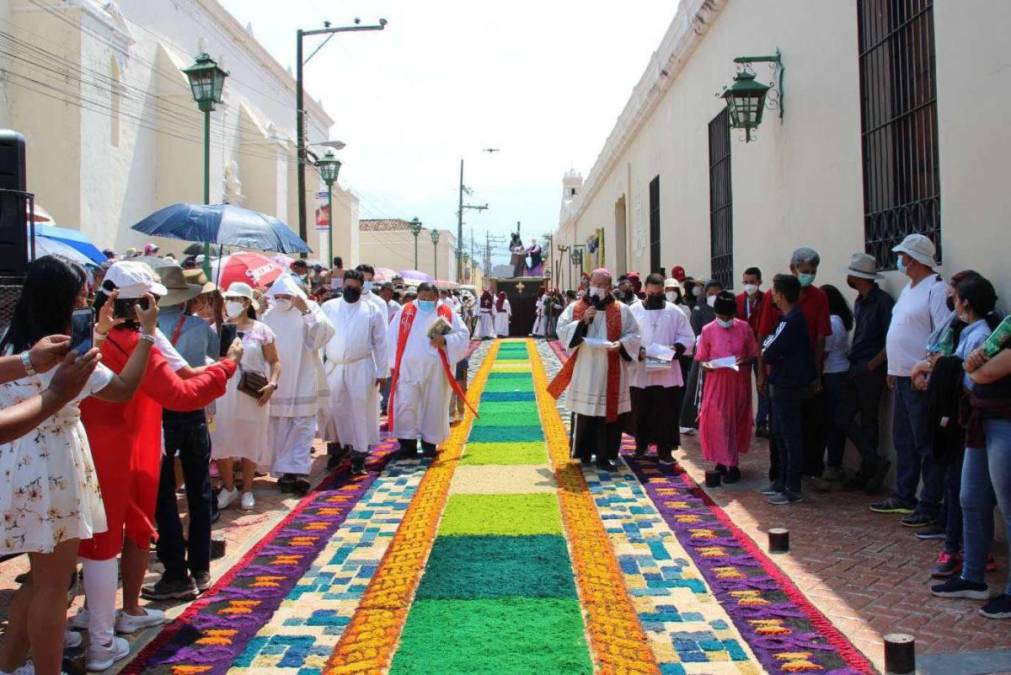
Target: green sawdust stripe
506,515
508,635
498,434
510,407
472,567
509,384
507,419
531,452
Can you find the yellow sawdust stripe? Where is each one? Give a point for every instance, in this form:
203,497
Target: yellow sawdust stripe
617,639
368,643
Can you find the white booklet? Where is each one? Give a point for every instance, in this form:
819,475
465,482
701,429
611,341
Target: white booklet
729,362
597,343
659,352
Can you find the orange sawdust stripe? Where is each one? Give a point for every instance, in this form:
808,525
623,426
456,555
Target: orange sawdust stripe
368,643
617,639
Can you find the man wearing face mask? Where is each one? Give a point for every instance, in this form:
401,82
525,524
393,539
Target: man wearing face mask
656,390
422,371
703,312
919,310
749,308
813,304
594,374
675,296
301,330
368,274
357,365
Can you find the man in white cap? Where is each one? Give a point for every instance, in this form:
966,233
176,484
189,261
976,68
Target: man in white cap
602,336
921,307
357,364
301,330
865,382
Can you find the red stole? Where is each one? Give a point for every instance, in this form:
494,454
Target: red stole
407,316
613,316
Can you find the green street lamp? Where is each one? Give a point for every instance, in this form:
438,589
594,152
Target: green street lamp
207,82
329,168
746,97
435,253
415,227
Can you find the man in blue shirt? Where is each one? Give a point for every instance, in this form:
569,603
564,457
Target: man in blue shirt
187,561
788,353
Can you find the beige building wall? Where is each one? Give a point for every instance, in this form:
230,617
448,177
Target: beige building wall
799,183
113,131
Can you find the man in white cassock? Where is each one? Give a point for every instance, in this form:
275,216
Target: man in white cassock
368,286
657,384
301,331
422,377
357,365
602,338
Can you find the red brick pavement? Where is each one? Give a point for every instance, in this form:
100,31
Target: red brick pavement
866,572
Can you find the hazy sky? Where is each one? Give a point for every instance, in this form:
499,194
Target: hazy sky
544,81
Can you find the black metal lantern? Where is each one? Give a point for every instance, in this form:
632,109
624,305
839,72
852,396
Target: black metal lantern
207,81
745,102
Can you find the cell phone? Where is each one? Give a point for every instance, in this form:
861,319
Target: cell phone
229,331
82,330
123,309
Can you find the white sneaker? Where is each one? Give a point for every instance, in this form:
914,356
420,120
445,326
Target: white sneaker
79,621
687,431
102,657
72,639
128,623
248,503
226,497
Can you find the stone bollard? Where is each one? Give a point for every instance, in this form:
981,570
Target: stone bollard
900,653
779,540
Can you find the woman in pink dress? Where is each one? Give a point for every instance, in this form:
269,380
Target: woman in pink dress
725,417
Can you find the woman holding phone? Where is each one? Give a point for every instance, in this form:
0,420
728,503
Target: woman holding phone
242,417
53,501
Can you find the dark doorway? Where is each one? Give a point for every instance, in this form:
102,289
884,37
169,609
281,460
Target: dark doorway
522,295
721,203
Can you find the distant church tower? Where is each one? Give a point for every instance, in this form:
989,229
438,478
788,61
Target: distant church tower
572,187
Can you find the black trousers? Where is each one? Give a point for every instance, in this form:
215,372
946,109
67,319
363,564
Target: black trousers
812,422
186,435
409,446
655,412
861,398
595,436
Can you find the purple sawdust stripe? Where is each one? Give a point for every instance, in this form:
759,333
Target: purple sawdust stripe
770,612
216,629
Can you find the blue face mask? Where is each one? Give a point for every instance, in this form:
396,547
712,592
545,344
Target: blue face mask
426,306
900,264
805,279
367,287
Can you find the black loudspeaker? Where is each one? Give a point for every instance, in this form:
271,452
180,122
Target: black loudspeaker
13,205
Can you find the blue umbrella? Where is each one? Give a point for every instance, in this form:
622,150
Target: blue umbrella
72,238
222,224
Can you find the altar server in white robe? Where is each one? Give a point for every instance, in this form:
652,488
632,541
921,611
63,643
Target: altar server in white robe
657,390
357,364
423,380
597,372
503,313
485,317
301,331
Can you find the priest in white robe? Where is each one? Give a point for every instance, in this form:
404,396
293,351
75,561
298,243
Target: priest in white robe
301,331
602,337
422,379
503,313
357,365
657,385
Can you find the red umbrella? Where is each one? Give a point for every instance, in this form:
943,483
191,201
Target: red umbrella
255,269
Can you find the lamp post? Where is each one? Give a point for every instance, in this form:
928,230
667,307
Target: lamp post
415,227
329,168
207,82
435,253
562,250
747,98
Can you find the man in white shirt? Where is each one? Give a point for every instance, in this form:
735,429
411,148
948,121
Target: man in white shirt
656,390
920,308
357,364
422,371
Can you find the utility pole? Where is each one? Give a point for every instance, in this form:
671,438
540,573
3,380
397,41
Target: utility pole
300,138
459,222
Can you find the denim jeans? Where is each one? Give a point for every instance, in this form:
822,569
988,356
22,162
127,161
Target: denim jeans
835,426
762,415
986,481
912,450
861,397
185,434
787,428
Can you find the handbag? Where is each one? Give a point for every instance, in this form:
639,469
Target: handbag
251,382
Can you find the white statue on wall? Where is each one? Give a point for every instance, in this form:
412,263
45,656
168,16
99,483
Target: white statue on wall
233,186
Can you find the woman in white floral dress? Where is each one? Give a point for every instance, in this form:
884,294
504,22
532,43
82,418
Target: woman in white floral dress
51,498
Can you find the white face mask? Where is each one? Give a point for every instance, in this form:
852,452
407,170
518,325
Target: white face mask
234,308
597,292
697,292
282,304
711,301
750,289
671,296
729,323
